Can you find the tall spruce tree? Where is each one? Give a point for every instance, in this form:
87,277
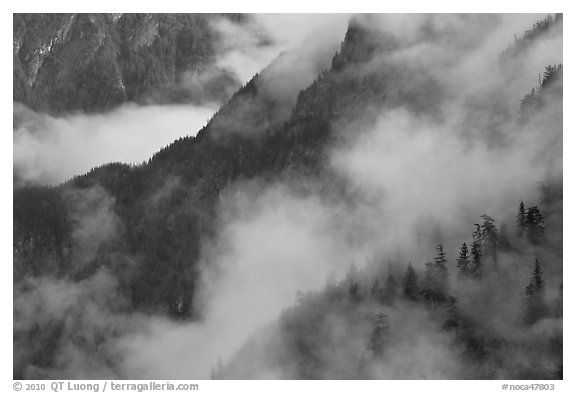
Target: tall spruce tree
521,220
435,284
489,236
440,259
551,73
475,265
534,225
390,289
410,284
534,308
463,262
477,235
352,277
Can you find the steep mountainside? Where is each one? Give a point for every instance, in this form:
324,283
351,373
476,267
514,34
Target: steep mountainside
92,62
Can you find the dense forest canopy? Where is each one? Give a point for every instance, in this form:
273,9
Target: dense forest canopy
411,193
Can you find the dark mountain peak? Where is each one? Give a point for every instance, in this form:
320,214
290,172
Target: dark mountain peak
363,40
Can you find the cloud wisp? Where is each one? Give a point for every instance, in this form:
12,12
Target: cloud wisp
49,150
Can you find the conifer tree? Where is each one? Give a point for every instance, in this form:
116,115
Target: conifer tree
521,220
410,284
463,261
440,259
489,235
534,225
391,289
534,296
529,104
217,372
452,322
354,292
352,277
503,240
429,285
475,265
376,291
551,72
378,336
435,285
477,235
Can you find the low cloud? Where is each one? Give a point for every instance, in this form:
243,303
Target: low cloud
243,287
251,46
49,150
80,320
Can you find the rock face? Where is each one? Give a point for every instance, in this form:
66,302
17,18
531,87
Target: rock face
92,62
